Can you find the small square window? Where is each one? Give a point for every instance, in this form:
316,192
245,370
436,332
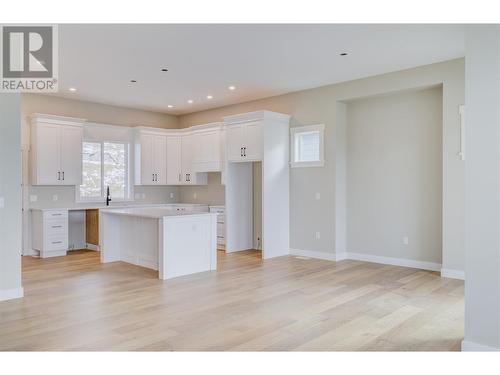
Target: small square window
307,146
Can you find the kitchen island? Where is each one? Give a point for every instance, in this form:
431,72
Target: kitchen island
175,243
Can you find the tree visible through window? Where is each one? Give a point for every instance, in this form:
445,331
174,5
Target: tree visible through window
104,164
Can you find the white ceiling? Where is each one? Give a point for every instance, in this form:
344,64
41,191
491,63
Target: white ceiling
260,60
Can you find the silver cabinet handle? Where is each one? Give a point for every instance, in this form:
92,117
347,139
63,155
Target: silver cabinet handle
59,176
56,226
241,151
244,151
63,175
56,242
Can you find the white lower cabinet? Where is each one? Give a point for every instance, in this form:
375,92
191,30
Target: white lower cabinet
221,224
50,232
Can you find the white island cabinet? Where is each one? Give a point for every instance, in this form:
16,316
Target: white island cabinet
175,243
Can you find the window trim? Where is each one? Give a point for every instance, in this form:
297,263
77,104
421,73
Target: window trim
129,186
306,129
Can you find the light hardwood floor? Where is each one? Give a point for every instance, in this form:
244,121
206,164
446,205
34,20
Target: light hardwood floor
287,303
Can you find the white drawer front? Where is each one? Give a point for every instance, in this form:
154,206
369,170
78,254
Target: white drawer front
56,242
59,214
56,226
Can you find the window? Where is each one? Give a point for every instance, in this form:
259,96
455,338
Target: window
105,164
307,146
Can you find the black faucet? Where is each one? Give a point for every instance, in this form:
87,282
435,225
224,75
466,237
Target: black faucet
108,197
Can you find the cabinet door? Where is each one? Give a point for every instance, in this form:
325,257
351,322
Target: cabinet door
187,160
207,153
47,163
174,172
147,159
71,155
160,160
252,142
234,142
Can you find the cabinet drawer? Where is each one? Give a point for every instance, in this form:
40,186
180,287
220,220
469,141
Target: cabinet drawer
56,226
59,214
221,240
221,230
56,242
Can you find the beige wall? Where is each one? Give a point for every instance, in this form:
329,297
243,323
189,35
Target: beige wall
95,112
319,105
394,175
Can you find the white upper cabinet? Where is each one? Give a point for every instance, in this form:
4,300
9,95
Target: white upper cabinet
56,150
244,141
160,160
152,159
190,147
174,166
71,155
207,154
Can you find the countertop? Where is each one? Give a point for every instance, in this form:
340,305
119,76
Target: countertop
118,206
152,212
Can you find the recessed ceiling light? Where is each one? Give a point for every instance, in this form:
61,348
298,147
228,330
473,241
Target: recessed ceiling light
209,97
170,106
72,89
343,54
164,70
190,101
133,81
232,88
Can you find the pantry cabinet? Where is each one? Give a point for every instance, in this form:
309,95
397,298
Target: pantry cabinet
56,150
244,141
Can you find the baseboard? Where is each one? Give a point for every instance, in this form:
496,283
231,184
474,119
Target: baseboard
93,247
7,294
452,274
317,254
430,266
469,346
367,258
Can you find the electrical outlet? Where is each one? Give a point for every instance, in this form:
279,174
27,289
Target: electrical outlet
143,196
406,241
318,235
171,195
195,195
137,195
55,197
318,196
33,198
